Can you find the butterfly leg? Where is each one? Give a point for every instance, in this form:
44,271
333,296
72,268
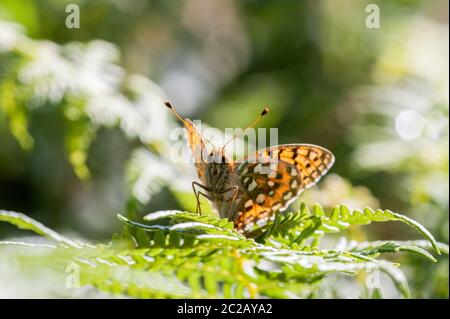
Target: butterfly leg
197,194
235,193
198,202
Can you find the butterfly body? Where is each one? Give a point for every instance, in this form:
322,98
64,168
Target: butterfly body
251,190
220,183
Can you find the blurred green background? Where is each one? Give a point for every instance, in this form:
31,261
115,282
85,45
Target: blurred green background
84,135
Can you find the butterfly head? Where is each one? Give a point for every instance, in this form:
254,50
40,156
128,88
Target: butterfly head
217,167
216,156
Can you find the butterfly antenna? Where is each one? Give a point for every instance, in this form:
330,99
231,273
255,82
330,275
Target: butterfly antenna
168,105
258,118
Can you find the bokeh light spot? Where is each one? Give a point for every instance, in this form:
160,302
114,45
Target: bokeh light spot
409,124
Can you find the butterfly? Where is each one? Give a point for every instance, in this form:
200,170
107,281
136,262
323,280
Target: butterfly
249,191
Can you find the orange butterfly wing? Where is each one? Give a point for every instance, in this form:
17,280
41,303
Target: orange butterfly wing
197,147
273,177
